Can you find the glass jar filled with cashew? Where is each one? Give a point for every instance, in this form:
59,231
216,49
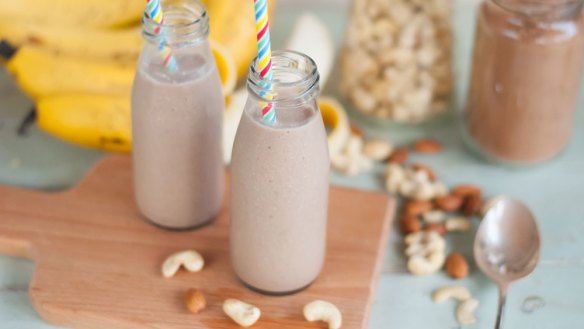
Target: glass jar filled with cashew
396,61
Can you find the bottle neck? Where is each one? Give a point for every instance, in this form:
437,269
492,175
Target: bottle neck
186,23
294,82
543,10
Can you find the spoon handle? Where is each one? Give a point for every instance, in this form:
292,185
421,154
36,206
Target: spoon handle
501,308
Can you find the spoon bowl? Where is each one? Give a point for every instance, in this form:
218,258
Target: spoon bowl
507,245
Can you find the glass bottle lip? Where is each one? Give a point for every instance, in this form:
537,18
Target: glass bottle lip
294,75
543,9
185,22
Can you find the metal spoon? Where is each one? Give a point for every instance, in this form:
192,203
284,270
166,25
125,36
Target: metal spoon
506,246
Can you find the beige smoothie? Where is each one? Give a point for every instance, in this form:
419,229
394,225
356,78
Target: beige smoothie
279,193
525,81
176,126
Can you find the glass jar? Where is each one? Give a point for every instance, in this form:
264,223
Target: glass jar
396,61
177,120
525,80
279,180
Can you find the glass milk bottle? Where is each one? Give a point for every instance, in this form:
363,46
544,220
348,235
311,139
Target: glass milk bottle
177,120
279,180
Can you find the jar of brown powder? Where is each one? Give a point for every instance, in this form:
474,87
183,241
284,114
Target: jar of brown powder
525,80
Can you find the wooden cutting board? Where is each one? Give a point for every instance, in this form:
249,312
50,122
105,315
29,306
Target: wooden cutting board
98,262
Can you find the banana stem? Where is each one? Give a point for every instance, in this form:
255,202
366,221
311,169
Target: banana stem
6,50
25,124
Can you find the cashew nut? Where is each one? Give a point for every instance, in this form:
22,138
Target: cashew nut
242,313
419,249
377,149
464,312
457,224
440,189
434,216
422,237
191,260
422,265
395,174
443,294
320,310
424,191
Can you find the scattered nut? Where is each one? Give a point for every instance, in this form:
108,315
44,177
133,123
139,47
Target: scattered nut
191,260
240,312
417,176
394,176
427,146
355,130
439,228
434,216
443,294
422,237
472,205
350,159
399,155
440,189
426,252
320,310
456,266
451,202
428,170
465,190
377,149
464,312
424,249
416,208
423,192
410,224
195,300
457,224
420,265
407,188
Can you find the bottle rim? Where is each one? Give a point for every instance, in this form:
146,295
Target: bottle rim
185,22
294,75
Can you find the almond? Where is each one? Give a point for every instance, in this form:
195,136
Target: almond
472,205
456,266
428,170
195,300
410,224
427,146
416,208
399,155
436,227
465,190
357,131
450,202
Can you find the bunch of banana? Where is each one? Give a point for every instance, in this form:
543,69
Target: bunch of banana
77,59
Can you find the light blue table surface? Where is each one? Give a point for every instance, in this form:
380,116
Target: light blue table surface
554,191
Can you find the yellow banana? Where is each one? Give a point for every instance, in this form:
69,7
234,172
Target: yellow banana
94,121
233,25
41,73
90,43
73,13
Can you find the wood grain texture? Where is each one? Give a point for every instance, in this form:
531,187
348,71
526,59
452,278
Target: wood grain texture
97,262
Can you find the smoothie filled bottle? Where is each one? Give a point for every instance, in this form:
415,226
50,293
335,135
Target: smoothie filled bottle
177,120
279,180
526,74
